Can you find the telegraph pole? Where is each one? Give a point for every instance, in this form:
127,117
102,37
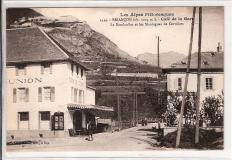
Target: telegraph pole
198,76
136,108
186,82
158,64
118,102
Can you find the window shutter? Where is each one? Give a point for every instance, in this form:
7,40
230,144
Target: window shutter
25,70
42,69
27,95
40,94
52,94
213,83
16,71
14,95
175,87
50,68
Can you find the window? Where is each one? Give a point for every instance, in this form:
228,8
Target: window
45,116
74,92
23,116
46,94
20,95
46,68
75,95
179,83
209,83
20,70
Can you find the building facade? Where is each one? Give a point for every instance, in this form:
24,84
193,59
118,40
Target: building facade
212,74
45,85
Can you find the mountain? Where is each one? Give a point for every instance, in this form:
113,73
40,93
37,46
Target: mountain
74,35
166,58
19,14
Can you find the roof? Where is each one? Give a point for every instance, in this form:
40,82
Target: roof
34,45
210,61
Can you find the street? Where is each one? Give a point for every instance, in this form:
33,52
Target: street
139,138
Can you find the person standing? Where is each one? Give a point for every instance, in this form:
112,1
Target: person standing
89,130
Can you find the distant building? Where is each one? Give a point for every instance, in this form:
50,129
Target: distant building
45,86
212,74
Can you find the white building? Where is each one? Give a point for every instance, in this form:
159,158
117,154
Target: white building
212,74
46,88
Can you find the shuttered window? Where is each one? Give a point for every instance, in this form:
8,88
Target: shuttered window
209,83
46,68
46,94
20,70
20,95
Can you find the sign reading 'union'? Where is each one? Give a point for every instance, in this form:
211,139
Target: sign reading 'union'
25,80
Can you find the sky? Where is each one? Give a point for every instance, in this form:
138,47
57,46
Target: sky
137,40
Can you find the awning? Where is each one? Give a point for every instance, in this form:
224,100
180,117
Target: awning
89,107
99,111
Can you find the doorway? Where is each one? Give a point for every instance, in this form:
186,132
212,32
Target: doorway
77,120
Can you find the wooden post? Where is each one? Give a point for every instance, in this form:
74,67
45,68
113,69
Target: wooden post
136,108
186,82
158,64
198,77
133,111
118,103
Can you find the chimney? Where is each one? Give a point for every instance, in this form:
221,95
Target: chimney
219,47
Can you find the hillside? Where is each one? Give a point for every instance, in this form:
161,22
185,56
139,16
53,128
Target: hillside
166,58
78,38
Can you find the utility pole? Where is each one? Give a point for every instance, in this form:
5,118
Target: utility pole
136,108
133,111
158,64
118,102
186,81
198,76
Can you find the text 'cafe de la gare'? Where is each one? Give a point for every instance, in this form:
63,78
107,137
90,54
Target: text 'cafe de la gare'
46,88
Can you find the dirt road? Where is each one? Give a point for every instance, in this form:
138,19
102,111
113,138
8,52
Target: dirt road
133,139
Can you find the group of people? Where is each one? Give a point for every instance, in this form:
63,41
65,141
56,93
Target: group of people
144,122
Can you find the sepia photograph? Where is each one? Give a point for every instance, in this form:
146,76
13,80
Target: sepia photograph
114,79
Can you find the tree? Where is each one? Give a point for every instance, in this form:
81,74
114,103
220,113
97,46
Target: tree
174,105
213,110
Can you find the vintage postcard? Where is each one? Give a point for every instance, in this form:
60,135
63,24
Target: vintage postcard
114,79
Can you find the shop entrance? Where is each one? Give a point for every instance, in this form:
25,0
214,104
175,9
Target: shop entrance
77,120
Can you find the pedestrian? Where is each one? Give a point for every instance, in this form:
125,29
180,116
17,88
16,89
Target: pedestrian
89,130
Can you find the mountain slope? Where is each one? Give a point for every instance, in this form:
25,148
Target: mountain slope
166,58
